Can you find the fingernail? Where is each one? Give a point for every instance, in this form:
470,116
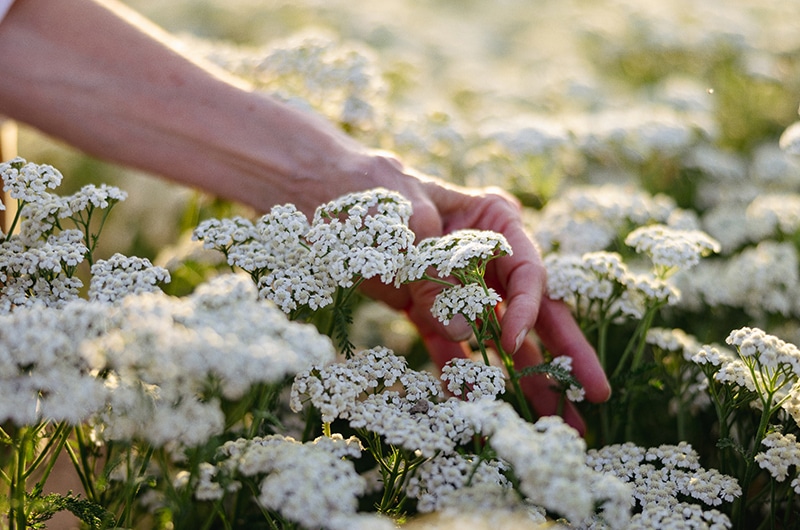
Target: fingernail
520,340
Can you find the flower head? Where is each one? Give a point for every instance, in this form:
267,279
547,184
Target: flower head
27,181
470,300
472,379
670,248
460,252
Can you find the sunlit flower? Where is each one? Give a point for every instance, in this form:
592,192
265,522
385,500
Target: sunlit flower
669,248
464,251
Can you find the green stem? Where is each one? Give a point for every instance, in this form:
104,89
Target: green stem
739,507
16,517
58,439
17,217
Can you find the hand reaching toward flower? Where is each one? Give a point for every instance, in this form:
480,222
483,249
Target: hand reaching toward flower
519,278
97,76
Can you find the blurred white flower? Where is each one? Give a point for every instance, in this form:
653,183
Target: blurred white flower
549,460
305,483
670,248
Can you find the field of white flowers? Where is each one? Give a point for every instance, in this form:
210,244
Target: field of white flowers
653,148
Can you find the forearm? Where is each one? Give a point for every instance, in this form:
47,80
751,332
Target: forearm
92,74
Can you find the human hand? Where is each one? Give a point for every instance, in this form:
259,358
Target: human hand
441,208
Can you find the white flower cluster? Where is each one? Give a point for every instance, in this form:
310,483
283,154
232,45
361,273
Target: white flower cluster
437,480
783,452
341,82
120,276
28,182
460,252
601,282
671,248
770,214
549,460
355,390
474,380
588,219
40,273
44,373
674,340
304,483
38,261
762,364
469,300
359,236
150,367
661,477
362,234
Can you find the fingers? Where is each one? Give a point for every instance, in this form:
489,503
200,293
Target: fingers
520,276
561,335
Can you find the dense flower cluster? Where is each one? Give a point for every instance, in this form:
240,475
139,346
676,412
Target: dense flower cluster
661,477
297,264
457,253
600,282
438,479
472,379
119,276
588,219
671,248
762,364
305,483
357,391
783,452
469,300
548,458
38,261
141,368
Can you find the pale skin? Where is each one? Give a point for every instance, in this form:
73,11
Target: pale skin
101,78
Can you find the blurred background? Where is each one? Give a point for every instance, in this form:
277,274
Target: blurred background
533,96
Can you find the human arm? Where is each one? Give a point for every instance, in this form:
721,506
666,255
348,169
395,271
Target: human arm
108,82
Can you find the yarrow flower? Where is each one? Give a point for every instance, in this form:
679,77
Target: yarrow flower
440,478
574,391
549,460
91,196
120,275
168,362
670,248
469,300
661,476
459,253
304,483
589,218
356,390
472,379
600,283
783,452
762,364
361,235
296,264
28,182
